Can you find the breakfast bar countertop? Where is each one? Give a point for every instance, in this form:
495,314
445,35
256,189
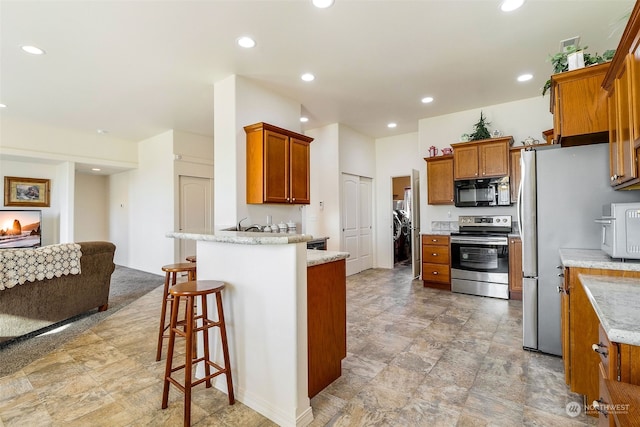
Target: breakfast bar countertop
242,237
616,301
595,258
315,257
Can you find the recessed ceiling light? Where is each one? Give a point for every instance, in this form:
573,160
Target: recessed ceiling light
322,4
3,106
427,99
525,77
308,77
33,50
304,119
392,125
246,42
511,5
96,169
102,131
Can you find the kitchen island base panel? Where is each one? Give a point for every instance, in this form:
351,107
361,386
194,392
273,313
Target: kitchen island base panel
265,303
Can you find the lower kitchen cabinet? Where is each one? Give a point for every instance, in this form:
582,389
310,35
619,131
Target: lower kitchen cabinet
582,338
326,323
515,268
436,257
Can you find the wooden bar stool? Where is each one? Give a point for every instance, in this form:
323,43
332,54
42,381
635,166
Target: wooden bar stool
191,258
170,279
192,290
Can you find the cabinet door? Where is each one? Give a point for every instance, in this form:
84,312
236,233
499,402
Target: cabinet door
515,268
465,162
634,80
440,181
276,159
299,171
494,159
514,173
613,139
626,152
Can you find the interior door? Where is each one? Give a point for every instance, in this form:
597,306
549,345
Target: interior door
365,225
195,210
416,246
350,238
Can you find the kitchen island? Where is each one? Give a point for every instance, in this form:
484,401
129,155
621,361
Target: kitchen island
266,315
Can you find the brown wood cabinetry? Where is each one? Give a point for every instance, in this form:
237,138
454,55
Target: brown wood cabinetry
277,165
326,323
514,172
580,331
515,268
622,83
579,106
481,159
440,180
436,256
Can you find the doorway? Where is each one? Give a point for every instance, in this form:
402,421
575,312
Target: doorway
357,222
405,200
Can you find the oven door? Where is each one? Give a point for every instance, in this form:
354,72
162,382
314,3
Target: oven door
480,265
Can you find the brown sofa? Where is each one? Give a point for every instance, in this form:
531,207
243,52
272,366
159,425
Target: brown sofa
35,305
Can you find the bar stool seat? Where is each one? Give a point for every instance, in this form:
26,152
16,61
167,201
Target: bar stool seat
191,258
170,279
191,291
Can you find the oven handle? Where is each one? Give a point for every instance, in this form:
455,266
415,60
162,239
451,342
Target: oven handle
483,241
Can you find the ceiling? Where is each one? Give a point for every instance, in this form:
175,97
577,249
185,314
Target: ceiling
139,68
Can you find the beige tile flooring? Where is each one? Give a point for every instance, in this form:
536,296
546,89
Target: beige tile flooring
416,357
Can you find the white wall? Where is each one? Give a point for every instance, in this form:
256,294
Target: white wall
40,170
240,102
91,217
325,184
357,153
395,156
120,216
151,205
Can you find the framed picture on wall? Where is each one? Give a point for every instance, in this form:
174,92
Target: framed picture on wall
26,192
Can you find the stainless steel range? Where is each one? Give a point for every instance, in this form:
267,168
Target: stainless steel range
480,256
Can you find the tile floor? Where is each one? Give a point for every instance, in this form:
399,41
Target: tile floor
416,357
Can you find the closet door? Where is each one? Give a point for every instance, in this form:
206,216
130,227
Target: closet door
357,224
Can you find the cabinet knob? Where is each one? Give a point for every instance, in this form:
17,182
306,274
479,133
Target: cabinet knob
599,405
435,273
434,240
601,349
434,254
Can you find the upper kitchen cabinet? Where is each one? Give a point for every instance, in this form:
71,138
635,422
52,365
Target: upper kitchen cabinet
481,159
440,180
622,84
277,165
579,106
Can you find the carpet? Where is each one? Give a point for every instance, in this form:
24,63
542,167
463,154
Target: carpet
127,285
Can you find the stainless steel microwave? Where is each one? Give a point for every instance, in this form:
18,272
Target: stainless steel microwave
621,230
482,192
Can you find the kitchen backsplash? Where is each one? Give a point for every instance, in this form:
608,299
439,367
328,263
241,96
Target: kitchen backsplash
444,225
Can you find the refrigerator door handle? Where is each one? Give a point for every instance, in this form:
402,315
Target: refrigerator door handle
520,190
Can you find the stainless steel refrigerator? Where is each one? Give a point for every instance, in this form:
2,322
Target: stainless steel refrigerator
561,193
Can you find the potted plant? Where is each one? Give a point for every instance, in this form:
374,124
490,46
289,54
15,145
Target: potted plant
560,61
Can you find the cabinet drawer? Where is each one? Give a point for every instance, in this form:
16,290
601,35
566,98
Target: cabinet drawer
435,239
435,254
604,418
435,272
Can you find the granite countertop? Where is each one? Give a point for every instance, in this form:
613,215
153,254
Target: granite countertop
242,237
315,257
436,233
616,301
595,258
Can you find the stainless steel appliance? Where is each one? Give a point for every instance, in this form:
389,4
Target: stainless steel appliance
561,191
620,230
480,256
482,192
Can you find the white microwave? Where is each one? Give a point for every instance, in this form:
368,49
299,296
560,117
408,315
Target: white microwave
621,230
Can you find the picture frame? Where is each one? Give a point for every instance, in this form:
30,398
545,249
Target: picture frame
30,192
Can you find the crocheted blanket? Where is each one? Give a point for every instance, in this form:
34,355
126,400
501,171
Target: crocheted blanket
21,265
